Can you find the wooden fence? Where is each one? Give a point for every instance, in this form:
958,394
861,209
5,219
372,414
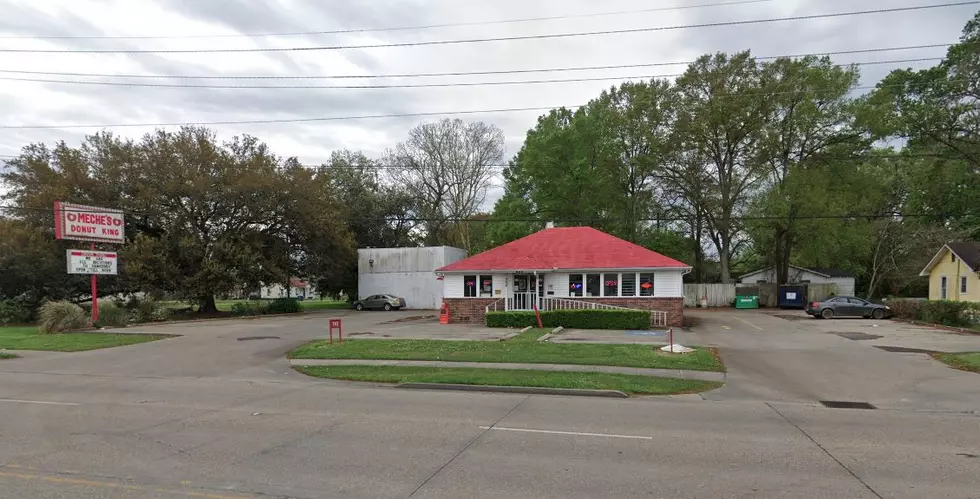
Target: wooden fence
723,295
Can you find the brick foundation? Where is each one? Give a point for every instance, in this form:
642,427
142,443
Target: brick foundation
468,310
473,310
673,306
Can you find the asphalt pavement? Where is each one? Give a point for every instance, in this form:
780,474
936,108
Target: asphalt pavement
213,415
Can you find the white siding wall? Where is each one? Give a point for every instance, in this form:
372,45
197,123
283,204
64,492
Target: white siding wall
845,285
668,284
452,286
406,272
501,282
558,284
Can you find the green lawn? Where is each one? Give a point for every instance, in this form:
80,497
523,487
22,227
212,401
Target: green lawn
640,385
522,349
965,361
27,338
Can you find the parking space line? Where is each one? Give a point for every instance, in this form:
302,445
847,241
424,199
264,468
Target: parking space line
743,321
575,433
41,402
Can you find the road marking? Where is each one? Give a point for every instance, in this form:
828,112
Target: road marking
576,433
16,401
749,323
78,482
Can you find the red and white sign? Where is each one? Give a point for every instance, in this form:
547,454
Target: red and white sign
92,262
88,223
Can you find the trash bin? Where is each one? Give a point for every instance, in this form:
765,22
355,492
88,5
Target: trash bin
746,302
792,297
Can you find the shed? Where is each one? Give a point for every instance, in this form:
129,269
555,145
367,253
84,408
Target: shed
801,275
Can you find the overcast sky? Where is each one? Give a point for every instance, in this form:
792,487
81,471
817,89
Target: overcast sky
41,103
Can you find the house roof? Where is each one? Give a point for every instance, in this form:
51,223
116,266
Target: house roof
967,251
297,282
823,271
566,248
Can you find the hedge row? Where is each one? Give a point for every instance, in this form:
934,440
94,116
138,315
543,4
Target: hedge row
577,319
946,313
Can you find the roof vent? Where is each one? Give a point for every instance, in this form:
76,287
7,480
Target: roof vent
549,225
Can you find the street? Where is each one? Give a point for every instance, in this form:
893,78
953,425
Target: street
210,415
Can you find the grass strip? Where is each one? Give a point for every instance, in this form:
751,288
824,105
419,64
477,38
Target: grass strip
969,361
28,338
632,384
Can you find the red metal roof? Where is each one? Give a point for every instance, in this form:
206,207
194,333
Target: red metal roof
565,248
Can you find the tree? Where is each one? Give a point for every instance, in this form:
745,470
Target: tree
447,168
720,126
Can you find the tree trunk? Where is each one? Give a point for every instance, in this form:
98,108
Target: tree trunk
207,305
724,259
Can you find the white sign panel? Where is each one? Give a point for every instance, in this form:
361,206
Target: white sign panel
92,262
88,223
790,296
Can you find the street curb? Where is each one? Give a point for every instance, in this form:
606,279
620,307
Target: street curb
530,390
557,329
509,336
545,337
526,329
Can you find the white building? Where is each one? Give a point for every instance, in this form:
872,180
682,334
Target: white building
407,273
799,275
566,267
298,288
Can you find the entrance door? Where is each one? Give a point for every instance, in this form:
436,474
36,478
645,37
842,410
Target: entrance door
526,289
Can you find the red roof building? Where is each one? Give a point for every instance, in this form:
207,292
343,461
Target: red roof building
566,267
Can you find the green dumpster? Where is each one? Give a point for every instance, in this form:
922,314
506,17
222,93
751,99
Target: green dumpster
746,302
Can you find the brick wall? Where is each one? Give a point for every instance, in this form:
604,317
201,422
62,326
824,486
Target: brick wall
673,306
468,310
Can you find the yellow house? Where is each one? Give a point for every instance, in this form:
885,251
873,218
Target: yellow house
954,273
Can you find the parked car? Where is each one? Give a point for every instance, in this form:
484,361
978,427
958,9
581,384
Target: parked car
382,302
847,306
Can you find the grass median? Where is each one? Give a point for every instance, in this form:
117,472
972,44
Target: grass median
28,338
969,361
5,355
631,384
523,349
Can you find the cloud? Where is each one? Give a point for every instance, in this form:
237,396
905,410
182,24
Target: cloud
40,103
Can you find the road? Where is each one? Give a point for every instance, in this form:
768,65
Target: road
208,416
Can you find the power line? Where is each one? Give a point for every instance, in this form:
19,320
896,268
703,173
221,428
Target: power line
462,73
492,39
390,116
388,29
404,85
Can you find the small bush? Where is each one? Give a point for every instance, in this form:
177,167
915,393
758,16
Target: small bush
577,319
61,316
15,312
246,309
111,315
285,306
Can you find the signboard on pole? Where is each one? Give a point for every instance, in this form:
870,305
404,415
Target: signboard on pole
92,262
88,223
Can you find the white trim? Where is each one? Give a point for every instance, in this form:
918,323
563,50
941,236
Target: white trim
932,263
760,271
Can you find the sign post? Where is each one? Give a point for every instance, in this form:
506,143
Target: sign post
335,323
93,224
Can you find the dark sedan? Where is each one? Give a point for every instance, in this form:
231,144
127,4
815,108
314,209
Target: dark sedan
381,302
847,306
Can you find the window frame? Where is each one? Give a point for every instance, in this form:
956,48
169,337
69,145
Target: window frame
963,284
480,291
470,291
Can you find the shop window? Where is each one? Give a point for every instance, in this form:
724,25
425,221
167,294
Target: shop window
646,284
610,285
575,285
486,285
593,284
629,284
469,286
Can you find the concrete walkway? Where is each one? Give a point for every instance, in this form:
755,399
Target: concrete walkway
661,373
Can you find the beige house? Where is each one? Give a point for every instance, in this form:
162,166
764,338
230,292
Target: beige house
954,273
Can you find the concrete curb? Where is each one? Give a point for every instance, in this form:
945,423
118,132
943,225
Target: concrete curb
526,329
509,336
516,389
557,329
545,337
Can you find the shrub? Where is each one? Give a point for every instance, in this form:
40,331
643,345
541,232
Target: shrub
946,313
61,316
111,315
248,308
15,312
578,319
285,306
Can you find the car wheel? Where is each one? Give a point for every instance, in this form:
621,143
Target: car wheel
359,307
387,307
827,313
878,314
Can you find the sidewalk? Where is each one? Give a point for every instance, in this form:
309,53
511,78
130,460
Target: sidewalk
660,373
